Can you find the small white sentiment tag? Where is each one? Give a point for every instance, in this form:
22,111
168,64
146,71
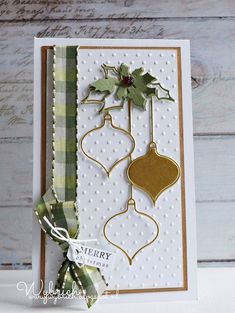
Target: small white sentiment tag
85,255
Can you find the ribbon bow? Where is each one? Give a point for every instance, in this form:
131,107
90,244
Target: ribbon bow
74,244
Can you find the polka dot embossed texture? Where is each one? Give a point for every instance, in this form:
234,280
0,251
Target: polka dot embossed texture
109,140
103,197
99,198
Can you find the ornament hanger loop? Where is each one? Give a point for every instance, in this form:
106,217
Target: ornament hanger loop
131,202
108,117
152,145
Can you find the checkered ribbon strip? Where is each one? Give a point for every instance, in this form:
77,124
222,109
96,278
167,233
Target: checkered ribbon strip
58,204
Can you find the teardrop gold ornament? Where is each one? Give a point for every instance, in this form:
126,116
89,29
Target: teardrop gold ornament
153,172
108,121
131,204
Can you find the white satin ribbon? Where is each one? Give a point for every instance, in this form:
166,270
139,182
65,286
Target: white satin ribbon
74,244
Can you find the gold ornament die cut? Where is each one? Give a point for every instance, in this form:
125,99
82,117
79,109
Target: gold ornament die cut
108,119
131,203
153,172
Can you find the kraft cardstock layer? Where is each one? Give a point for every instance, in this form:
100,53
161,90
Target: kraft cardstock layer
131,105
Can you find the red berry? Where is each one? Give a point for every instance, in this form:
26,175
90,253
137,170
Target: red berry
127,81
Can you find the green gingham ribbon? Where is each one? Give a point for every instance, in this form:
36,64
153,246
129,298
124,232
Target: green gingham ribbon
58,204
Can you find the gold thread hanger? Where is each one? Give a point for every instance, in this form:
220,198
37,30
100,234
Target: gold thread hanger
131,204
153,172
107,120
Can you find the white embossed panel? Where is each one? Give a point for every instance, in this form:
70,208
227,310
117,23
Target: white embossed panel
99,197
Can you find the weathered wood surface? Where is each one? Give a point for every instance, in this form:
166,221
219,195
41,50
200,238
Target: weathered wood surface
207,37
16,235
16,172
16,111
214,168
215,223
210,27
113,9
213,72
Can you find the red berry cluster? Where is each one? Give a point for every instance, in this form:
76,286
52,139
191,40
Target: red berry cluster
127,81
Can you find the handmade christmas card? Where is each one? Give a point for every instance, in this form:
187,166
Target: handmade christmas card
114,207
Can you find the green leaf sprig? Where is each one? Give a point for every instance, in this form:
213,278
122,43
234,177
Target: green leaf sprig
135,86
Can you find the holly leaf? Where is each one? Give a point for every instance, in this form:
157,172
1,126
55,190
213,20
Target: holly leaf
148,78
124,70
138,71
92,97
141,82
121,93
105,84
163,93
137,97
150,91
109,69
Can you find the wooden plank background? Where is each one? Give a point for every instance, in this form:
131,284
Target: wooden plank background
209,24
